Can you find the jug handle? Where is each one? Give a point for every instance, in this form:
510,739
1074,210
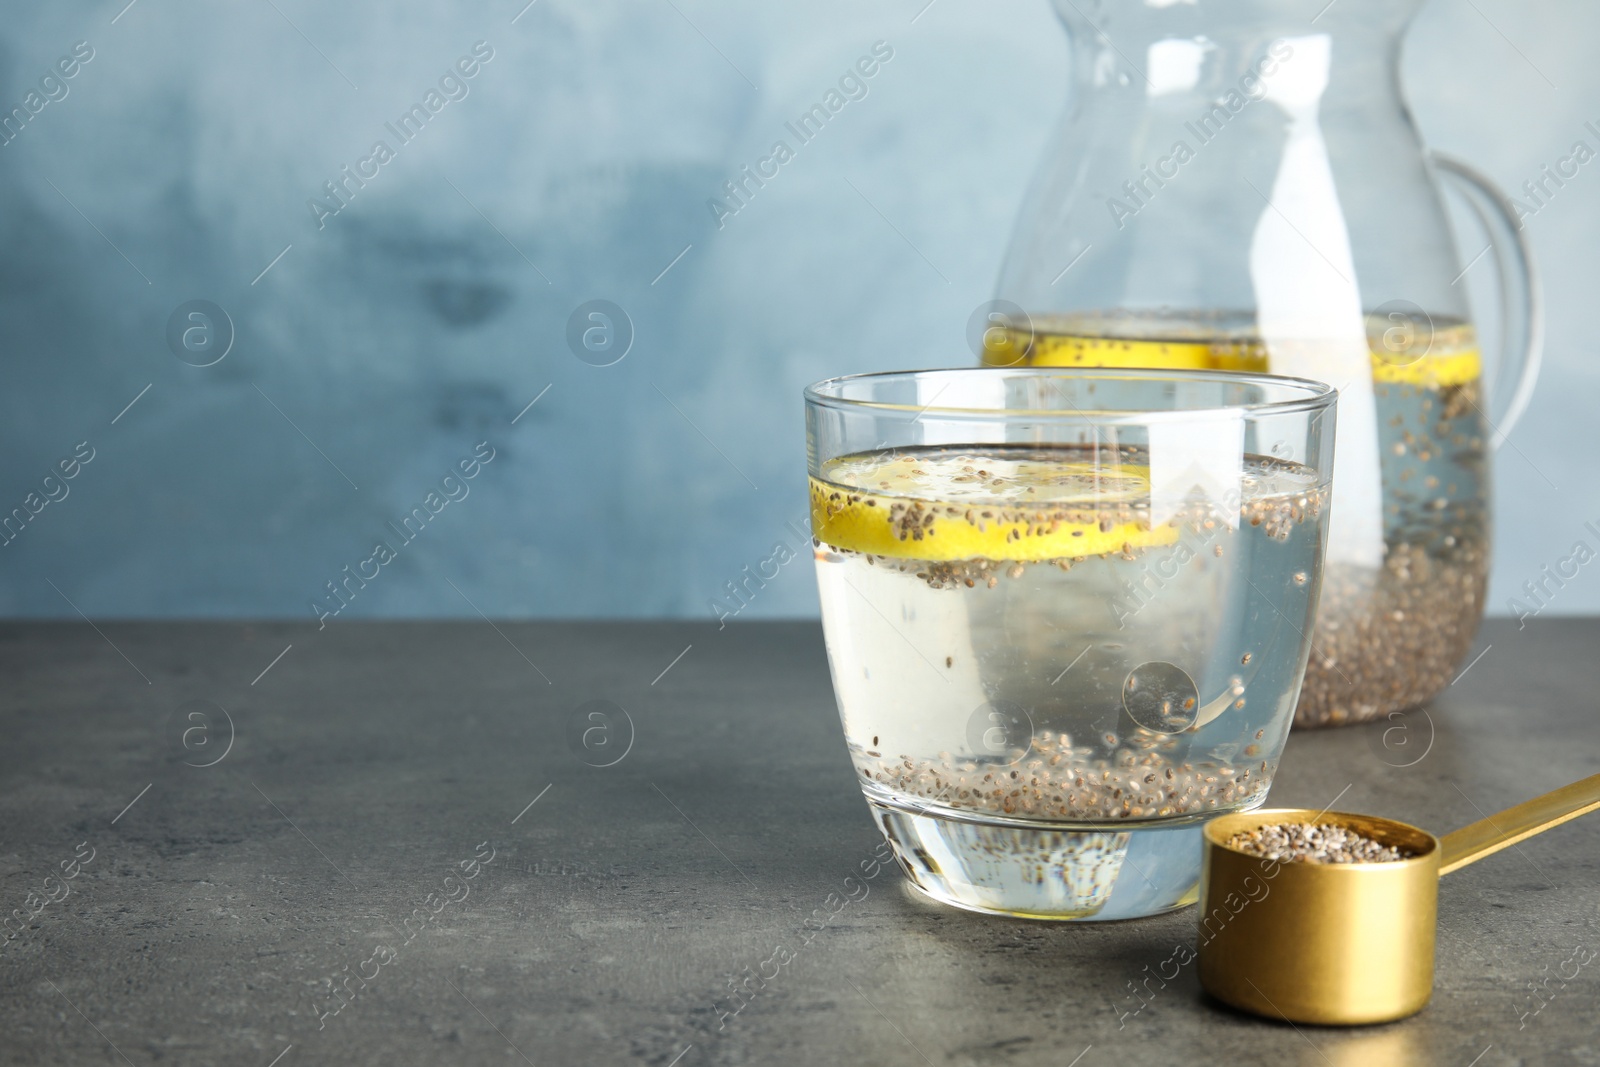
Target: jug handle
1521,294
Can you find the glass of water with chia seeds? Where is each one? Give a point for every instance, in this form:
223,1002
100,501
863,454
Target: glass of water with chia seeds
1067,615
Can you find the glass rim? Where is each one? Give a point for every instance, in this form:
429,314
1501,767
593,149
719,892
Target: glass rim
1318,396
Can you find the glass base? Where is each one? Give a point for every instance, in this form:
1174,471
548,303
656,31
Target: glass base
1038,870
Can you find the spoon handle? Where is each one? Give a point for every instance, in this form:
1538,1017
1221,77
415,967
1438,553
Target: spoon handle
1487,836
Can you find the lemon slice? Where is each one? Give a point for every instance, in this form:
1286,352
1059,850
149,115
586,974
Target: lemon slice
1062,350
1432,371
1029,506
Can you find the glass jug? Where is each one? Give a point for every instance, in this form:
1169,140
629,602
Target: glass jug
1239,185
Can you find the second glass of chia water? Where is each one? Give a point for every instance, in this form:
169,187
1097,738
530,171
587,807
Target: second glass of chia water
1067,615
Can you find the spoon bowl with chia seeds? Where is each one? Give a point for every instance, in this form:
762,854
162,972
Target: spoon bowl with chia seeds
1329,917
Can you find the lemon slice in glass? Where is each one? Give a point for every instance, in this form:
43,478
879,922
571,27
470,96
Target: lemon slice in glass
1026,504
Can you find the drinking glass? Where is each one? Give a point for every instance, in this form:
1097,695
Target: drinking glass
1067,615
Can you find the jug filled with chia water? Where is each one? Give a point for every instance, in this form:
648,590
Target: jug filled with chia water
1238,185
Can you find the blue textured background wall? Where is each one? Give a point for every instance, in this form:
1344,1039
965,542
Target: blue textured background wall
428,312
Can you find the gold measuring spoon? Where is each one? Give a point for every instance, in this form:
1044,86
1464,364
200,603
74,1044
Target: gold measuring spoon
1344,943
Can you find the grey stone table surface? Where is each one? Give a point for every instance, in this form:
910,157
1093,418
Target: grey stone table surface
208,831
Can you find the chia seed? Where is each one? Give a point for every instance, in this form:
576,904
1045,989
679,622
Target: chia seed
1302,842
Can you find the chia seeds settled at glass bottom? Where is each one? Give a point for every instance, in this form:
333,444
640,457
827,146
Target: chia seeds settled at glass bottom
1052,779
